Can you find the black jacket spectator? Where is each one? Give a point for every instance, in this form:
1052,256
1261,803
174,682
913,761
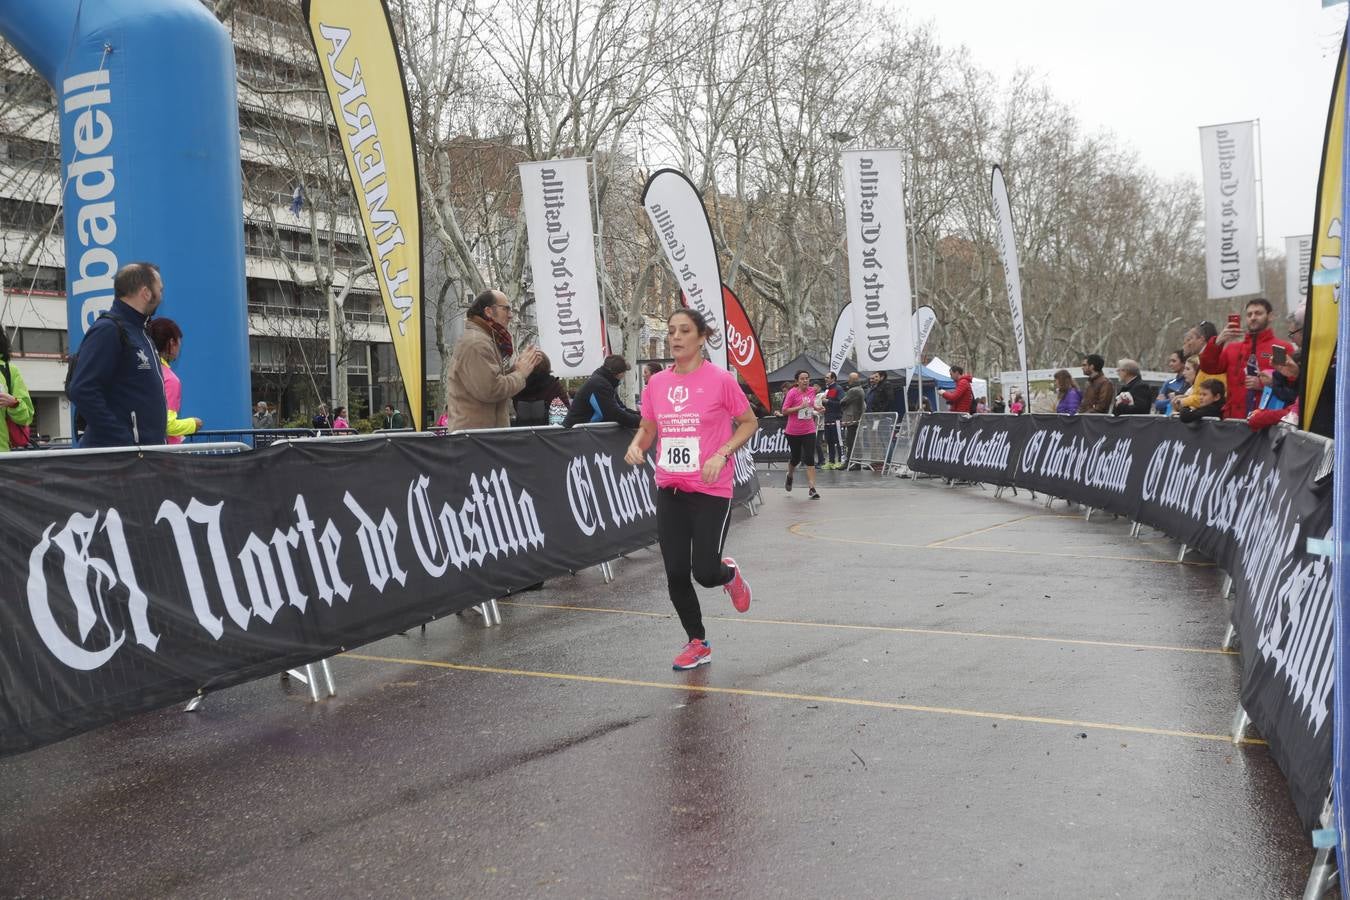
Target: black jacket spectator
1208,411
1141,399
882,396
532,403
598,401
116,384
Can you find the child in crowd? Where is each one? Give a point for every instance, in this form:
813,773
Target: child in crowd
1211,396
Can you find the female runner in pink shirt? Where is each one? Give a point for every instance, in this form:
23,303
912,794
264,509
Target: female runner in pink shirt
691,407
800,408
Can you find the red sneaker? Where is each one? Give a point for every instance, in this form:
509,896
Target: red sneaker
695,653
737,587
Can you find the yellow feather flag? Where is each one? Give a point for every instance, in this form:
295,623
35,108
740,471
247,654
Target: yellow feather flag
354,41
1324,275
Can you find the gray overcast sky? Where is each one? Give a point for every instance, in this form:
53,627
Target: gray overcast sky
1153,71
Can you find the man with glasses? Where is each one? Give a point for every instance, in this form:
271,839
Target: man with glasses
480,378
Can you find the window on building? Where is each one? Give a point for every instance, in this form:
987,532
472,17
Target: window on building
41,342
17,149
25,214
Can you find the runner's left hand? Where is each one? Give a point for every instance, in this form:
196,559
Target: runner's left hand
713,468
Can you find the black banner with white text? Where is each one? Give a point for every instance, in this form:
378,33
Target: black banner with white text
769,443
1248,500
137,580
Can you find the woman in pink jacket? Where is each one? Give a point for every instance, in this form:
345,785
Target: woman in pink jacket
168,338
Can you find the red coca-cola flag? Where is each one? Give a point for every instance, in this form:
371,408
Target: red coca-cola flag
743,350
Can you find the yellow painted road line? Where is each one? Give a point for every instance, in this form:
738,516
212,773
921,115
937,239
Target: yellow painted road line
1170,561
892,629
989,528
806,698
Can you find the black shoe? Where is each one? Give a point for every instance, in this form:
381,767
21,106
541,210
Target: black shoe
787,485
813,494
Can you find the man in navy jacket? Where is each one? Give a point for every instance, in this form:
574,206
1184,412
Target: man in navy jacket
598,400
116,384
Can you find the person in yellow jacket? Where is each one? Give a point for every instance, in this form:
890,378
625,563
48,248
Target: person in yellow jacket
168,339
1195,340
16,405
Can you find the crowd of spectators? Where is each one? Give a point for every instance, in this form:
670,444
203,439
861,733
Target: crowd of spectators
1242,372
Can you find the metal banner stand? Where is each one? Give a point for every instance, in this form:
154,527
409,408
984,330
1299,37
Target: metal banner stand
489,610
1324,875
305,675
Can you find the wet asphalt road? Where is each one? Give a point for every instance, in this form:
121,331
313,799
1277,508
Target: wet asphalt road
935,694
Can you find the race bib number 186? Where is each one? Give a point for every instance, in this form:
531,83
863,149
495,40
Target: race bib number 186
679,455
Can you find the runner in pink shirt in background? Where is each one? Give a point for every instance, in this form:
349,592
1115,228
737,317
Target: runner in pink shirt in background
691,407
800,408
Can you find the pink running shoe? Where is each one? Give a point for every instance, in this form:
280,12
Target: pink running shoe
737,587
695,653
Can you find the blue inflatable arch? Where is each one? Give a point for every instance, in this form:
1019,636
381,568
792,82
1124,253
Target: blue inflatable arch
145,93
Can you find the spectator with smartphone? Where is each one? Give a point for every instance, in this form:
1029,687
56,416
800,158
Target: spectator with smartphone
1192,343
1243,356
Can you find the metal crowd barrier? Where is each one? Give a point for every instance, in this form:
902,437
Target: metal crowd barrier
215,448
262,437
874,441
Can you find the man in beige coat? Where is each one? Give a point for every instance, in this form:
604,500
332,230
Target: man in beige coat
481,380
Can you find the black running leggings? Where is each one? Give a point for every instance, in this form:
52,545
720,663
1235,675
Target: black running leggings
692,528
802,449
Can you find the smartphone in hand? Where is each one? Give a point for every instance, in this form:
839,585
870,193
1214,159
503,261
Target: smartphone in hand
1235,321
1278,355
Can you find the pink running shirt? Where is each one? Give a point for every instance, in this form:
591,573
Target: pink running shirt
693,416
796,424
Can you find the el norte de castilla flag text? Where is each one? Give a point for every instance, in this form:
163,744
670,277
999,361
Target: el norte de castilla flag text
1232,266
878,270
556,197
682,229
354,41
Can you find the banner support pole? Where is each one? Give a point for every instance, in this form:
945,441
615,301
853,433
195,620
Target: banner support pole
1261,198
332,397
599,239
913,280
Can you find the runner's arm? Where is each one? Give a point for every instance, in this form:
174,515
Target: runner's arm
746,426
637,450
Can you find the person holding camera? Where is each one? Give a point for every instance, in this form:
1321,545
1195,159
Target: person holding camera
1243,356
